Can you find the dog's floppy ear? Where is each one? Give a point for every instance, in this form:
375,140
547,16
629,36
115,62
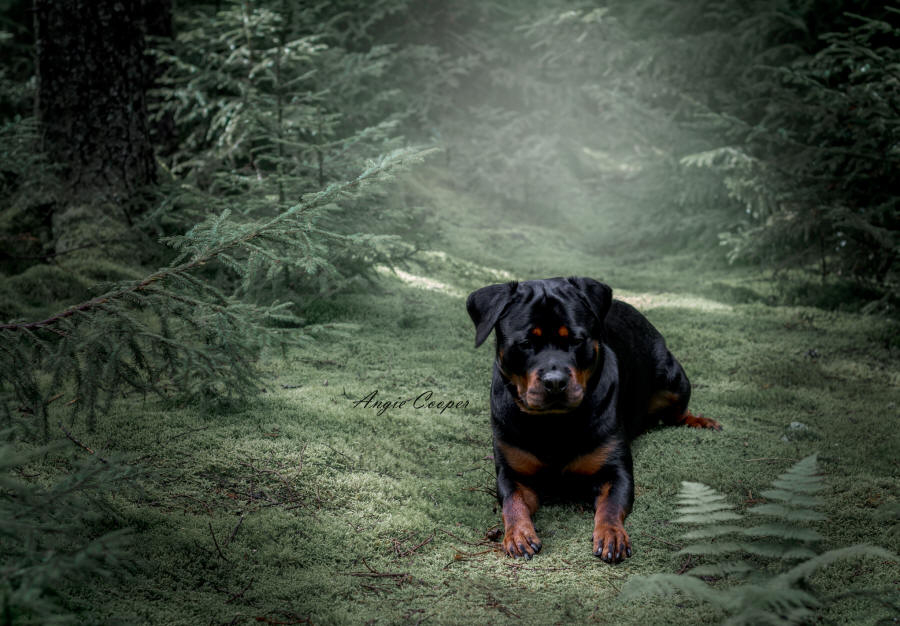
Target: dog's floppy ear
485,306
597,295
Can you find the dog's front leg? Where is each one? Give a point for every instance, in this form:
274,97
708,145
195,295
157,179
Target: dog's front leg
519,503
613,496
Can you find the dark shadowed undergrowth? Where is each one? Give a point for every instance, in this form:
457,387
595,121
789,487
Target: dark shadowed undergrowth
306,506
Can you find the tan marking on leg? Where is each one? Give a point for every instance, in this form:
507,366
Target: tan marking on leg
519,536
611,542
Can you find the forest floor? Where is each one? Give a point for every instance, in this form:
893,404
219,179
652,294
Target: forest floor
309,507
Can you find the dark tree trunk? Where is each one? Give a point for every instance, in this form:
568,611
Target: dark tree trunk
93,78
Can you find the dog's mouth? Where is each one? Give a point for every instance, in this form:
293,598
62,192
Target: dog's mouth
534,397
537,395
557,406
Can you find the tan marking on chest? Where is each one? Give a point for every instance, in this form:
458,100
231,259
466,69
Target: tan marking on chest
519,460
592,462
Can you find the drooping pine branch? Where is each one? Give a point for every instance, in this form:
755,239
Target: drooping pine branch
205,253
175,331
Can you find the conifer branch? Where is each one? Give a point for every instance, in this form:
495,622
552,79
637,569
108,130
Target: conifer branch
374,173
173,330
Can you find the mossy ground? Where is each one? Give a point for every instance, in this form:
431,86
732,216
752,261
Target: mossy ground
306,506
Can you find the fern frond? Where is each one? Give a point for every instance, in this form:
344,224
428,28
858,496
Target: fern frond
783,531
706,549
699,504
800,484
787,512
670,584
804,570
787,600
800,476
785,550
708,518
767,604
697,494
763,598
722,570
709,532
791,497
793,490
709,507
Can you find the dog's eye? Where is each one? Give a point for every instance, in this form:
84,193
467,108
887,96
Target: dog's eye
524,344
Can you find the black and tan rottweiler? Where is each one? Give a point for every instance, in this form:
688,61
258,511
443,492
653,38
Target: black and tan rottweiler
577,376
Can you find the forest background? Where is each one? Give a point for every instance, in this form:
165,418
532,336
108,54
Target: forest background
224,223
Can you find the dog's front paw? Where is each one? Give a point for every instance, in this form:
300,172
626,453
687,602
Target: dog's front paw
521,541
611,542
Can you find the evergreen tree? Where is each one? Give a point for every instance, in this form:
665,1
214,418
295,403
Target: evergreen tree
797,128
270,107
175,330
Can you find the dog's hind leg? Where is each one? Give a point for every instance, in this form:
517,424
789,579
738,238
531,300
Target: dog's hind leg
669,404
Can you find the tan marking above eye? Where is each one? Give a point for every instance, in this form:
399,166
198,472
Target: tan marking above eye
536,331
563,331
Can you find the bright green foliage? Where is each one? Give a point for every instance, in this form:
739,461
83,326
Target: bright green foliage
267,107
772,588
270,104
226,89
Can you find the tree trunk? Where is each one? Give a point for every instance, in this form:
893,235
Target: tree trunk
93,77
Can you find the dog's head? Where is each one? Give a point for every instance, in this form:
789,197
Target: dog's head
548,337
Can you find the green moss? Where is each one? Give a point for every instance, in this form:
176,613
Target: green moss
331,492
38,289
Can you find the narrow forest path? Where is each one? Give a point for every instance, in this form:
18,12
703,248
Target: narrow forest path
315,503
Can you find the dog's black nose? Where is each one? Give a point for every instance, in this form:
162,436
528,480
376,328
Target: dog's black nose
555,381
